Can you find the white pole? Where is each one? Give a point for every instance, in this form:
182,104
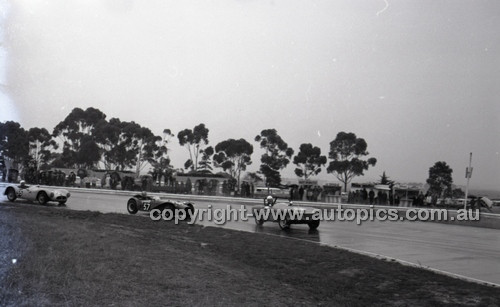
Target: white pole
468,174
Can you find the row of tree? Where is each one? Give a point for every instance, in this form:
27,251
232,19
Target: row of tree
86,139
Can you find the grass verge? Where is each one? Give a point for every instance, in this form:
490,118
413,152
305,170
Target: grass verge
70,258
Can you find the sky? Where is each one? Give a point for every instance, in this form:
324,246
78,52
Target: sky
418,80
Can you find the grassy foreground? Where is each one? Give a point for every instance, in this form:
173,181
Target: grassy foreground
71,258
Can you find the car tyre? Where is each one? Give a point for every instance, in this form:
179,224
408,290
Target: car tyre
171,215
313,225
284,223
11,194
189,213
42,198
155,214
132,206
258,221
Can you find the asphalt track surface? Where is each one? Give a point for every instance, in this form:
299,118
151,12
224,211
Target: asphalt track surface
470,252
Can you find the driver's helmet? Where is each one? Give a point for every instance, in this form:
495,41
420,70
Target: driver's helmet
144,194
269,200
23,184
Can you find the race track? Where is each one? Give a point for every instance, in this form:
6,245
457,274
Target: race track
467,251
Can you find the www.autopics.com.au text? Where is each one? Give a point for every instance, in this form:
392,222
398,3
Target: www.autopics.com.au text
220,216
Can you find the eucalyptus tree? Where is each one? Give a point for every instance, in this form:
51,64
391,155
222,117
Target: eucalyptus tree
206,158
347,151
276,157
161,164
233,156
41,146
309,161
194,140
76,132
14,144
440,178
143,143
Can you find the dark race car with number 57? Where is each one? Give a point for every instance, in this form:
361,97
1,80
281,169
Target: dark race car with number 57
144,202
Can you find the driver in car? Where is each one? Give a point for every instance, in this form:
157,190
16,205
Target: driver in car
269,201
23,184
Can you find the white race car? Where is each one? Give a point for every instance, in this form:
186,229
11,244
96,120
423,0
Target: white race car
36,193
285,213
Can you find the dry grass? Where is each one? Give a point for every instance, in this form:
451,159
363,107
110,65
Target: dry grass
74,258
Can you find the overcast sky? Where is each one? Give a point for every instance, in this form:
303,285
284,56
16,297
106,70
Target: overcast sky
418,80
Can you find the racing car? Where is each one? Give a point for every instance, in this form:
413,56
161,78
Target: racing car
36,193
475,202
144,202
285,213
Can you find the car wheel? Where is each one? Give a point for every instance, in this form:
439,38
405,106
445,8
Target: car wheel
313,224
189,213
258,218
167,216
171,211
11,194
284,223
132,206
42,198
156,215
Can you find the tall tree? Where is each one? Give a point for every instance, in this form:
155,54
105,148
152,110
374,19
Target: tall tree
167,135
276,156
253,177
233,156
206,158
384,179
161,164
143,143
41,146
14,144
309,161
128,144
71,131
347,151
107,135
88,154
194,140
440,178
